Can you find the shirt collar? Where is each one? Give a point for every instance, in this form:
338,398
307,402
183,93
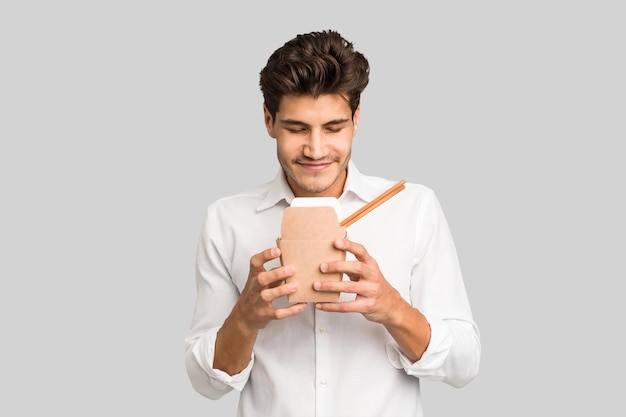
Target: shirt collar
358,185
279,188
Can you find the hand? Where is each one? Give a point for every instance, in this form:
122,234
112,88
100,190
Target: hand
375,298
253,311
254,306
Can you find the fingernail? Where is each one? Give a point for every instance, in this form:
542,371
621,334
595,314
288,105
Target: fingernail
324,267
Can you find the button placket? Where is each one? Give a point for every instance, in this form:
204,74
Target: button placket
323,371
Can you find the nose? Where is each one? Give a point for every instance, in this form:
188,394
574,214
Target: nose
314,145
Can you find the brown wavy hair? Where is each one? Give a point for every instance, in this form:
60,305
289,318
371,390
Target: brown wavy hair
314,63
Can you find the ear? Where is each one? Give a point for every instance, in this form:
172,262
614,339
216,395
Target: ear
269,122
355,119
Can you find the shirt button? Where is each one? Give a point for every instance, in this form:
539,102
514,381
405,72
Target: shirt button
322,329
323,384
394,357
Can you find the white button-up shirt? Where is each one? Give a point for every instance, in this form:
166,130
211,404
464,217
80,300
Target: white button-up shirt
334,364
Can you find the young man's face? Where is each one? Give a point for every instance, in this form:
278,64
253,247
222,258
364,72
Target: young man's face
314,141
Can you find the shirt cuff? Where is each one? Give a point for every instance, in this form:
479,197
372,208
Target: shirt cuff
204,352
430,365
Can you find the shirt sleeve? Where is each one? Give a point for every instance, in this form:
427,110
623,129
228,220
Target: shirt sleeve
452,355
438,291
208,381
216,294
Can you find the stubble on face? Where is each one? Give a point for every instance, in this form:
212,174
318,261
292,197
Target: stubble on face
315,184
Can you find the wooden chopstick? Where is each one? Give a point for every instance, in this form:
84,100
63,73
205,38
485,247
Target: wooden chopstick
399,186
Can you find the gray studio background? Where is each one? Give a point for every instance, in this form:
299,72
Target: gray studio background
120,121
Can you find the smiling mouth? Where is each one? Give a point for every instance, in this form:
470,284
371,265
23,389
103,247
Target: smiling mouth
318,166
308,162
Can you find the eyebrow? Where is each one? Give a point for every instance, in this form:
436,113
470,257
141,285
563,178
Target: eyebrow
301,123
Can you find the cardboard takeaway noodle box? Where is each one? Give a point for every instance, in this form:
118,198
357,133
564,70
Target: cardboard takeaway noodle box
306,240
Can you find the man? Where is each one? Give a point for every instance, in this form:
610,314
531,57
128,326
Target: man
403,314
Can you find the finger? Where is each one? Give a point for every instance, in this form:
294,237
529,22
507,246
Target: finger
275,275
354,248
258,260
361,288
292,310
344,307
270,294
351,268
334,286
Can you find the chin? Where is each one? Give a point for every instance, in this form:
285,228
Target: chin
312,182
316,187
